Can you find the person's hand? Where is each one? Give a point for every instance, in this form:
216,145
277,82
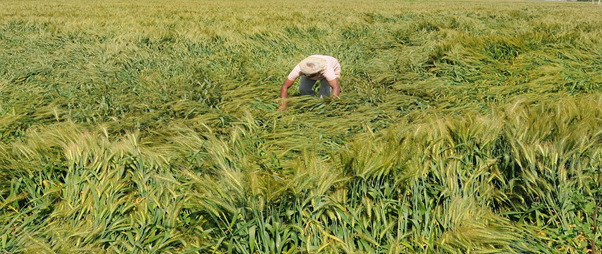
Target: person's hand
283,93
282,107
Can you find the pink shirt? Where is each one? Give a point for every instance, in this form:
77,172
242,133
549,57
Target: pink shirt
332,72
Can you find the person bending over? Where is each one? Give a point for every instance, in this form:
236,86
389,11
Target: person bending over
325,69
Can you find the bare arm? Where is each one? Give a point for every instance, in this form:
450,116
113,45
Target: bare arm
336,87
284,92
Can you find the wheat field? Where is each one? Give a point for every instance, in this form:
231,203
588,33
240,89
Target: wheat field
152,127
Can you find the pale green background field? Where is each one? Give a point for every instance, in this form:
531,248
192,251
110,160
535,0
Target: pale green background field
151,126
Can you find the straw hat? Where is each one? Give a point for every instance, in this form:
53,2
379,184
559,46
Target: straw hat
312,65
